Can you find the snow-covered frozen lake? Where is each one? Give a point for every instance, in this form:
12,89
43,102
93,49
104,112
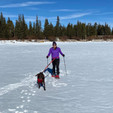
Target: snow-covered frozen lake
87,88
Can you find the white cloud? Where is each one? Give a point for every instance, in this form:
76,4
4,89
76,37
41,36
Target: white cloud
10,16
74,16
64,10
25,4
105,13
33,18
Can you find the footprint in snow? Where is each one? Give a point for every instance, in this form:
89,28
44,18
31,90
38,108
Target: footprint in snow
21,97
25,93
23,101
25,111
21,106
28,100
28,97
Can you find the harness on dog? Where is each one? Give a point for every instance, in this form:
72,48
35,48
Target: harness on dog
40,80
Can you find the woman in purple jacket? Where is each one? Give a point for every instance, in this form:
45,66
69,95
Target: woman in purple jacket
54,51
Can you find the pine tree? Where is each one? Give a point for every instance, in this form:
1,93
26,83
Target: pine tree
70,30
30,31
83,31
3,28
38,28
51,29
107,29
79,29
46,29
63,31
1,25
75,30
24,28
112,31
57,27
100,30
34,29
17,30
95,29
10,28
21,28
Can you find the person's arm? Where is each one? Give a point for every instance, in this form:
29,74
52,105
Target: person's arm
61,52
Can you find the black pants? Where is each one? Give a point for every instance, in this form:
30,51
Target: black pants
56,63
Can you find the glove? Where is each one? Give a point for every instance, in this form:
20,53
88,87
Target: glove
63,55
46,56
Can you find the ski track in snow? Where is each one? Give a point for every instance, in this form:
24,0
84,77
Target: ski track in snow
11,87
29,81
26,95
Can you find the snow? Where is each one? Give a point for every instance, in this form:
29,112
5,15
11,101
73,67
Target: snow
87,87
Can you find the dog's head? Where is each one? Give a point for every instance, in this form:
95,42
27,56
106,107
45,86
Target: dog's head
40,75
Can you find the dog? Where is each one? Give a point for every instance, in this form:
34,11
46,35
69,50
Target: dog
41,80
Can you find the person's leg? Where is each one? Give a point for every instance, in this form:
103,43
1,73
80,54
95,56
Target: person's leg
54,67
57,66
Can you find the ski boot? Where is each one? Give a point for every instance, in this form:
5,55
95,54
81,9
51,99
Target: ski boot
57,76
53,75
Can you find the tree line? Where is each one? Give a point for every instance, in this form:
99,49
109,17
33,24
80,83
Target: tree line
80,31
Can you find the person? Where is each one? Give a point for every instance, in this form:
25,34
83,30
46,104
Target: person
54,52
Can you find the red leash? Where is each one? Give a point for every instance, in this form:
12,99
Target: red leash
49,64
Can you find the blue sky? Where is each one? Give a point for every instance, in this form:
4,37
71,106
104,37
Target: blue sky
88,11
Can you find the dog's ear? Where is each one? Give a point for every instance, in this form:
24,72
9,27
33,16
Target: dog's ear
36,75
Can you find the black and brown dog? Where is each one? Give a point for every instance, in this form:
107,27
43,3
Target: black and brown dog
41,80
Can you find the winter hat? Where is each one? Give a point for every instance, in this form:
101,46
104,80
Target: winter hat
54,43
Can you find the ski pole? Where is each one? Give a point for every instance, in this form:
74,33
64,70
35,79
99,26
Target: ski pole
47,61
65,65
48,65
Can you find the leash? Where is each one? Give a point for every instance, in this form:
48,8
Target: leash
48,65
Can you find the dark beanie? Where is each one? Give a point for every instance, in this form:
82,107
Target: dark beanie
54,43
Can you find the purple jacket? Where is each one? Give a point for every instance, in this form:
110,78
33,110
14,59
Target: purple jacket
55,52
